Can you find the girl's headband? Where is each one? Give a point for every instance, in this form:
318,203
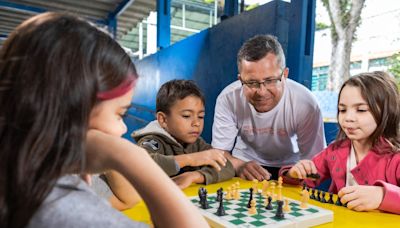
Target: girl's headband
118,91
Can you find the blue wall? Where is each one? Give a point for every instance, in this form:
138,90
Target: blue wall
209,57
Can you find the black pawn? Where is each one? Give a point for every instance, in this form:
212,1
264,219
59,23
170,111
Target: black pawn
250,198
304,185
312,196
220,197
279,211
269,205
338,203
317,197
203,198
323,200
330,198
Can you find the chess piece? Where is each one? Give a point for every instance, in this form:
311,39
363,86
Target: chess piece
229,193
221,209
323,200
269,203
330,198
280,181
236,194
203,198
252,209
273,191
338,202
255,185
304,199
265,187
286,207
279,211
312,196
250,198
317,197
279,192
304,187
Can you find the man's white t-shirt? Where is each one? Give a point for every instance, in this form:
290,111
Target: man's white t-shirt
291,131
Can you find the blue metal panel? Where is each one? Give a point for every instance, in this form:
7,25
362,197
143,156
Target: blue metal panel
231,8
20,7
163,23
301,41
112,16
208,57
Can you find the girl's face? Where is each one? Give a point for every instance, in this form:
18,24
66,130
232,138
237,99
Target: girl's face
107,115
355,117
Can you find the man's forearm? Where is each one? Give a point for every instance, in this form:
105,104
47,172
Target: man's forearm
236,162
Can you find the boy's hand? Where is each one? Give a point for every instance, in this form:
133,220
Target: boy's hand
302,169
184,180
361,197
212,157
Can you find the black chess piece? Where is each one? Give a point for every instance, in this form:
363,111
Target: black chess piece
330,198
220,197
269,205
323,200
317,197
312,196
338,202
250,198
279,211
203,198
313,176
304,186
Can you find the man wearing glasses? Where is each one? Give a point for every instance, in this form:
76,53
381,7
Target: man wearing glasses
264,119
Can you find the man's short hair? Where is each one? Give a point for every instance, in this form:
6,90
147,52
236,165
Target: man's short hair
258,47
175,90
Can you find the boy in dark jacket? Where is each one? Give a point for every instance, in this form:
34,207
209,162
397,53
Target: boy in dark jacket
174,142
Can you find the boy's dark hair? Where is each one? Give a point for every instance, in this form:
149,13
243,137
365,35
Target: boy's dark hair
258,47
381,93
175,90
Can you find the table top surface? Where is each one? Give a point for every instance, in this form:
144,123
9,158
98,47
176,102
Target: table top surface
342,217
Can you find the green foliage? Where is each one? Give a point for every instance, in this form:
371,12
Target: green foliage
395,67
321,26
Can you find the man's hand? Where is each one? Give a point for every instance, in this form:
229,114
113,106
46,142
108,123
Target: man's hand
361,197
251,170
302,169
212,157
184,180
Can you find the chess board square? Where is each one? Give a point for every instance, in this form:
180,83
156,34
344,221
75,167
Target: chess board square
240,209
237,221
296,214
239,215
258,216
312,210
257,223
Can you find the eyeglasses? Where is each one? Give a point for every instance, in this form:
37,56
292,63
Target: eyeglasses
268,83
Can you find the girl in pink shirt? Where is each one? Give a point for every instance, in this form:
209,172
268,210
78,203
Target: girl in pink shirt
364,161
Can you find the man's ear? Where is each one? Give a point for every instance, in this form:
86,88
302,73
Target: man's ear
162,119
286,72
239,78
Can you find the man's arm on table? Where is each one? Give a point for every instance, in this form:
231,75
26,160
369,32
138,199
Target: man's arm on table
248,170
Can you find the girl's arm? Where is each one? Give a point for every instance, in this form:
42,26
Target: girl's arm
124,194
168,206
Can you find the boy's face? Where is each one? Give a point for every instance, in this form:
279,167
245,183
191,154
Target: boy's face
107,116
185,120
355,117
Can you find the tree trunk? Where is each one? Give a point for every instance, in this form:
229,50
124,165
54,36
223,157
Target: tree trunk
345,17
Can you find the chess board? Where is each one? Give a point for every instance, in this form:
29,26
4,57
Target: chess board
237,213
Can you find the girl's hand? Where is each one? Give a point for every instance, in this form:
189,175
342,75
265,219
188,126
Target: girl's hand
302,169
362,197
184,180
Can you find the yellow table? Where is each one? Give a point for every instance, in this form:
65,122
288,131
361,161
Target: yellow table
342,217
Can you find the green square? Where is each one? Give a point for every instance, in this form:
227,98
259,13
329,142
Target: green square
277,219
257,223
239,215
242,204
312,210
258,216
295,209
237,221
227,202
240,209
296,214
195,201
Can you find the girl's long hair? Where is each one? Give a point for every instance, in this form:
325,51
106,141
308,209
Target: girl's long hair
51,68
381,93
